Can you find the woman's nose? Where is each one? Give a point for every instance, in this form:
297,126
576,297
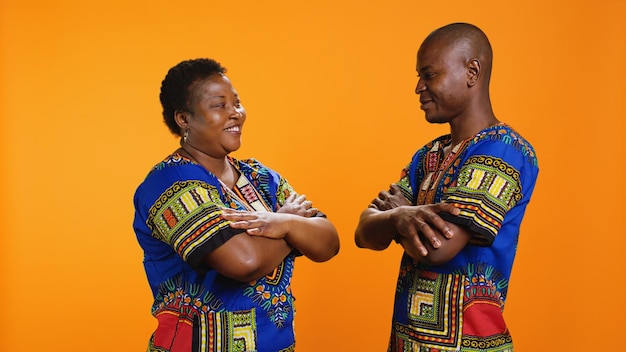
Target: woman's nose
237,112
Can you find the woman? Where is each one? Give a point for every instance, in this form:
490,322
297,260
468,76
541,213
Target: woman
220,235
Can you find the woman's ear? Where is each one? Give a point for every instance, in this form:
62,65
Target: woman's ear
181,120
473,69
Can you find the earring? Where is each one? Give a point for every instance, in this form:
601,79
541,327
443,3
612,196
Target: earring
185,136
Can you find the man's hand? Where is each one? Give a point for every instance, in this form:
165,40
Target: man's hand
415,224
389,199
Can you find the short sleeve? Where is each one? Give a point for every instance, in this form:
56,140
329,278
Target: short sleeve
283,191
187,217
488,186
405,184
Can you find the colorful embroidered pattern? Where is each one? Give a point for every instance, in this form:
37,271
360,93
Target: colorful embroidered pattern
259,176
232,331
405,185
226,331
484,281
508,136
172,160
284,190
493,344
174,294
486,189
434,311
186,215
274,293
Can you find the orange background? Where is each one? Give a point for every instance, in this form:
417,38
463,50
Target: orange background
328,86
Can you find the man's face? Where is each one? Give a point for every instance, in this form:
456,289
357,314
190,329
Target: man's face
442,84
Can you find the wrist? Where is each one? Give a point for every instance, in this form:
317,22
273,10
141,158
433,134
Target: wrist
290,222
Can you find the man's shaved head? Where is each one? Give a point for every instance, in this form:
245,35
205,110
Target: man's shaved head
470,38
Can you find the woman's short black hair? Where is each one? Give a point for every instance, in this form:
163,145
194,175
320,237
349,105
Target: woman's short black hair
175,92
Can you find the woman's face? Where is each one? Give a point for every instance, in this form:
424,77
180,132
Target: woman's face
217,117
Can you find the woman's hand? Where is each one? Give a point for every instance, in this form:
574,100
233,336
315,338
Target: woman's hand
256,223
315,237
298,205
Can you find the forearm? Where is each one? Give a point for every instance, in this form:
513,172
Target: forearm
315,237
269,253
447,250
375,229
246,258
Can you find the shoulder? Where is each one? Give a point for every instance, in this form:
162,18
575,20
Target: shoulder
170,162
502,138
171,170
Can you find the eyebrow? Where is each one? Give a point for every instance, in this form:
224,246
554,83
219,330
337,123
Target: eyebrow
221,96
424,68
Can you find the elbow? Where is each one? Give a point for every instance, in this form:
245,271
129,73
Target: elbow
361,242
248,268
328,254
359,239
326,247
366,235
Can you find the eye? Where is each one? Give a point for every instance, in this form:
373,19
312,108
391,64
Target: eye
218,106
238,103
426,76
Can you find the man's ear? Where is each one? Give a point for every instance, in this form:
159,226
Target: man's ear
181,120
473,71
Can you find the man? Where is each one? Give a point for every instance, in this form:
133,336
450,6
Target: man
457,208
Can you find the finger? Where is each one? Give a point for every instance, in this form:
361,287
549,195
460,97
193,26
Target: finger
438,223
300,199
383,195
240,216
416,245
239,225
430,235
423,231
378,203
246,224
230,216
448,208
292,196
254,232
234,212
311,212
394,188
